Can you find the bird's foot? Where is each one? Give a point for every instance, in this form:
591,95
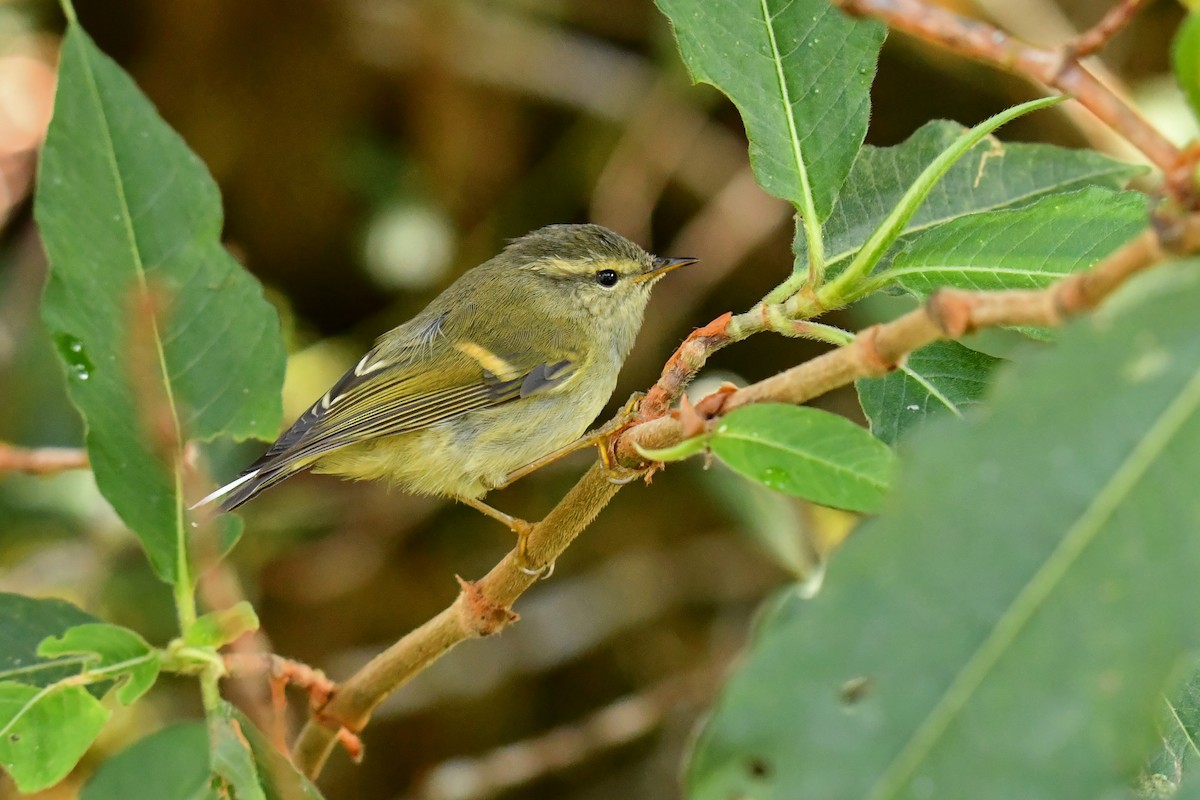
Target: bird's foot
606,440
523,562
521,528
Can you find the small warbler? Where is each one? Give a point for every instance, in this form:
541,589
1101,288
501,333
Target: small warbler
508,364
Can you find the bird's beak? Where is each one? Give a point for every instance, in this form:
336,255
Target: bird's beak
662,266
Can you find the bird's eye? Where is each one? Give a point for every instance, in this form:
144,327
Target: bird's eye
607,278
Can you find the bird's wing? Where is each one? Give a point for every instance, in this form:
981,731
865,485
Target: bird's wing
389,399
394,391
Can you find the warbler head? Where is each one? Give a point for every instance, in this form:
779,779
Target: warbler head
591,267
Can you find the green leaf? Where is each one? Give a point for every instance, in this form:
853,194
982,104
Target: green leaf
806,452
1021,607
1185,58
170,764
848,284
219,628
24,623
1026,248
277,775
232,760
800,73
110,650
180,763
250,765
685,449
992,176
163,334
940,378
44,732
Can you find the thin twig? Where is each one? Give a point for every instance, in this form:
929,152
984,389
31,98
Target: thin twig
41,460
1113,22
1041,21
1059,68
485,607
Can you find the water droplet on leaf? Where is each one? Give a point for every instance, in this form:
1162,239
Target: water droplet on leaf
73,353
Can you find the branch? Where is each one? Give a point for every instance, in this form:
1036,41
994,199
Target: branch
948,314
481,608
484,607
1059,69
1113,22
41,460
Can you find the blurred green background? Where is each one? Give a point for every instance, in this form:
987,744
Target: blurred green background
371,150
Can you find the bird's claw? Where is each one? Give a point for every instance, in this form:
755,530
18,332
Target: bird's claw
523,529
541,573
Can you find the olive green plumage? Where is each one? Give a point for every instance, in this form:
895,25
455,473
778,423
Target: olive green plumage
509,363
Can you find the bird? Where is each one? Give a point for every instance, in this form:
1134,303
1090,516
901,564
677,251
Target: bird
509,363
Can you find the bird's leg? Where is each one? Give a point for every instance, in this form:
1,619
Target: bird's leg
518,526
599,438
585,441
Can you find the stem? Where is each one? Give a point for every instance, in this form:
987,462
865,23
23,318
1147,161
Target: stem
849,284
185,607
185,598
823,333
799,278
210,693
816,249
184,588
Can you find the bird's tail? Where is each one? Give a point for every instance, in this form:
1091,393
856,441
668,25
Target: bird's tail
249,484
292,453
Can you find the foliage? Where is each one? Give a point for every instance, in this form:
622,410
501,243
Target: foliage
131,221
940,378
1019,599
1023,516
140,299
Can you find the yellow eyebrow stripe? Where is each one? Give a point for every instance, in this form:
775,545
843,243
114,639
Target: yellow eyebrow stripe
487,359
